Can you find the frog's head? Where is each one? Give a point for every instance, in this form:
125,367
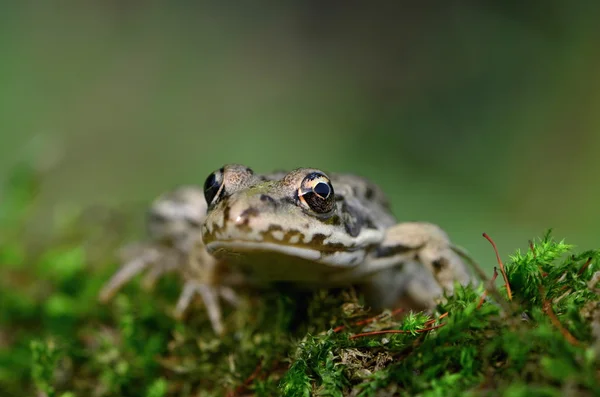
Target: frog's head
283,216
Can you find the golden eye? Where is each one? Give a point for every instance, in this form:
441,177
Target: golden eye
213,186
316,193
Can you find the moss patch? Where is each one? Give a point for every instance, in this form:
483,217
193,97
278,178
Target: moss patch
56,340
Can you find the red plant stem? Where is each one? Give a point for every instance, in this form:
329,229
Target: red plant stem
547,307
433,320
585,266
508,291
241,388
395,331
368,320
531,247
485,292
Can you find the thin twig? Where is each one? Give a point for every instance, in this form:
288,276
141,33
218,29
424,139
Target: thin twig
241,388
502,270
532,248
547,307
433,320
490,286
585,266
369,320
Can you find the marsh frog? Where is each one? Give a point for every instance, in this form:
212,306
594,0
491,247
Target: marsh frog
308,227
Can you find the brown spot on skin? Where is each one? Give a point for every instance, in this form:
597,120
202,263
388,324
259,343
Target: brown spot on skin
318,242
439,264
273,228
291,233
268,235
318,238
249,213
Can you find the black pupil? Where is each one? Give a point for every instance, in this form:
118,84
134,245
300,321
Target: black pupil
211,187
322,189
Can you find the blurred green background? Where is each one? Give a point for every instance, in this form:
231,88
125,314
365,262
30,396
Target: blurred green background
476,117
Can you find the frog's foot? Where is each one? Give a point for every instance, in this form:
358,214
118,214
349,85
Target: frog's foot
429,245
136,260
210,295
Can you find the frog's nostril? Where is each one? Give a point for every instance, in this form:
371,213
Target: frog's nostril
244,217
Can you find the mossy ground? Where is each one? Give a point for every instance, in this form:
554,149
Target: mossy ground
56,340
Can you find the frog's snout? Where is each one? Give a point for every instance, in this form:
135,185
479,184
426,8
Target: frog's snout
243,210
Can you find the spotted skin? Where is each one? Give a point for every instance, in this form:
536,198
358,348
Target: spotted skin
305,226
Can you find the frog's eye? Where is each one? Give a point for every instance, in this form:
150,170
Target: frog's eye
316,193
213,186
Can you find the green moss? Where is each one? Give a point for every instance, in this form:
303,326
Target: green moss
57,340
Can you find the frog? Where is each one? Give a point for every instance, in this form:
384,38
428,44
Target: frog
306,227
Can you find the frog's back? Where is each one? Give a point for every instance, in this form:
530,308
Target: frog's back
368,196
362,189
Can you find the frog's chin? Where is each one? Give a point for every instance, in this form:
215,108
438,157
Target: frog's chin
241,249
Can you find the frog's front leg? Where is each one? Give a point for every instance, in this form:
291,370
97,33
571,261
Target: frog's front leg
204,276
175,244
197,268
137,258
430,246
412,267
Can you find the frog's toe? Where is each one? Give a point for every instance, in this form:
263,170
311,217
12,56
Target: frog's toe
127,272
137,260
230,296
210,296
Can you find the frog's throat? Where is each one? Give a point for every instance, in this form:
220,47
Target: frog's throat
344,259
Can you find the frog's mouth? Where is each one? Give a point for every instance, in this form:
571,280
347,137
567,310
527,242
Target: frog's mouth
251,249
